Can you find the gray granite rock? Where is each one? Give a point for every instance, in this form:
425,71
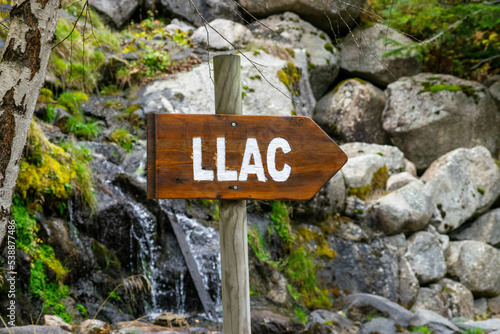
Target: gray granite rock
426,121
486,229
463,183
426,257
235,35
352,112
289,31
405,210
476,265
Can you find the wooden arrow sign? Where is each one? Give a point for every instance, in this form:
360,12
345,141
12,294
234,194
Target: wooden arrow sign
238,157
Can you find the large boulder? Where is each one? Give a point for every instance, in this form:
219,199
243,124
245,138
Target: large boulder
118,11
353,112
330,199
289,31
235,35
335,18
428,115
486,229
362,173
372,54
209,9
265,92
361,267
405,210
476,265
392,156
448,298
463,183
426,257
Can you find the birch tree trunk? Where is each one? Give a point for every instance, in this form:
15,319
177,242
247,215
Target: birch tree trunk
22,74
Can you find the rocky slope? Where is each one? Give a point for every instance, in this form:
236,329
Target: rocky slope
404,238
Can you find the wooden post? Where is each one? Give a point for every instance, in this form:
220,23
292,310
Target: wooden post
232,214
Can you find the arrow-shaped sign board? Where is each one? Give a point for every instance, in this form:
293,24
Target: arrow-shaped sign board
238,157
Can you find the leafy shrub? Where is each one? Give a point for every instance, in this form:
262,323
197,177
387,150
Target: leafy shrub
466,36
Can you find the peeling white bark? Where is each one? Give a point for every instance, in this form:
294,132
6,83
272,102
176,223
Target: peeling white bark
22,74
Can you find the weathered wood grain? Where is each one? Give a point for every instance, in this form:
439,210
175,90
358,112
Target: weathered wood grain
314,157
232,214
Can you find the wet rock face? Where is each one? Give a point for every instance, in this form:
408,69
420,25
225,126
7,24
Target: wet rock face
353,112
361,267
463,184
476,265
429,115
362,55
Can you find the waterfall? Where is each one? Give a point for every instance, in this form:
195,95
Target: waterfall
149,253
204,245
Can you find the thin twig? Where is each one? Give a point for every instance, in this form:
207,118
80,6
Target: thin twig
73,29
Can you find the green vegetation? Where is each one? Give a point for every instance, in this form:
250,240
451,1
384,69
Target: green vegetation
83,128
472,331
423,329
290,75
123,138
328,47
82,309
301,313
465,35
48,173
281,223
43,262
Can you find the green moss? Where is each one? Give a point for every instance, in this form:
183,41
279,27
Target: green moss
360,192
429,87
328,47
290,75
49,173
258,244
472,331
301,271
123,138
42,260
380,178
281,222
324,250
310,66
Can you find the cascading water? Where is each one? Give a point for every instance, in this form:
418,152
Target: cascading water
149,252
204,245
